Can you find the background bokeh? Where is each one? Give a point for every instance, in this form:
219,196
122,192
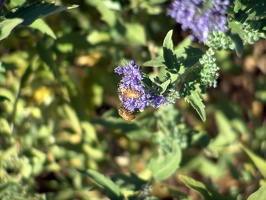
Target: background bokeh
59,98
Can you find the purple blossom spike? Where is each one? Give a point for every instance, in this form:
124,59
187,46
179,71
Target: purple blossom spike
199,17
132,80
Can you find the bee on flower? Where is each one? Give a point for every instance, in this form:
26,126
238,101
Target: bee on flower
125,114
133,93
128,93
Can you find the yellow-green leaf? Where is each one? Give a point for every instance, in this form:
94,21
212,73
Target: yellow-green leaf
259,162
7,26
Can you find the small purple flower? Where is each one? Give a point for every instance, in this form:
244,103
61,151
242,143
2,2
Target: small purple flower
132,80
199,17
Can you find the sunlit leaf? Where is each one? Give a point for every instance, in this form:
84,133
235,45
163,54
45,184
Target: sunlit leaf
156,62
41,25
170,59
7,26
260,194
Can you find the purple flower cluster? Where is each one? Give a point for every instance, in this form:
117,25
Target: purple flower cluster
200,16
132,80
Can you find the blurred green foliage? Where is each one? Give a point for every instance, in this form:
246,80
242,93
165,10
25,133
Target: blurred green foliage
59,128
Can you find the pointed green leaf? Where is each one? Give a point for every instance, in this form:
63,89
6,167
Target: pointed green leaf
170,59
259,162
260,194
165,166
40,25
111,190
196,101
7,26
34,11
206,192
168,43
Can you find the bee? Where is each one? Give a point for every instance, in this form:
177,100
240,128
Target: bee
128,93
125,114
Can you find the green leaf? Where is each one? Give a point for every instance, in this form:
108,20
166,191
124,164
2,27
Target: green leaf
238,44
259,162
7,26
40,25
132,37
168,43
196,101
108,186
236,28
249,10
164,86
97,37
170,59
34,11
192,56
236,35
182,46
107,14
165,166
156,62
260,194
207,192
